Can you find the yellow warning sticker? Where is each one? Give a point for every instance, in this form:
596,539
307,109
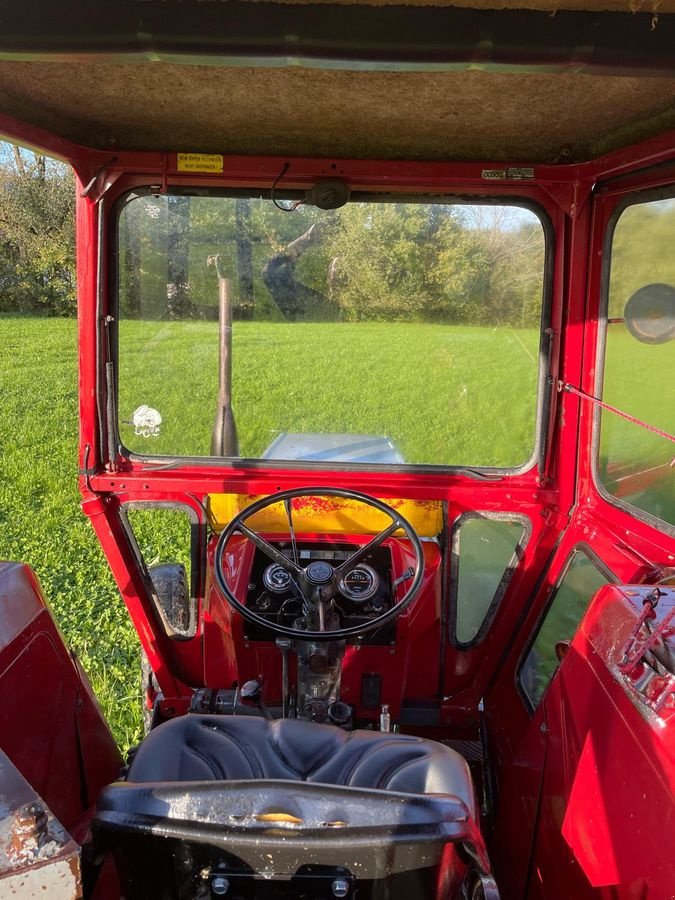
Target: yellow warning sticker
200,162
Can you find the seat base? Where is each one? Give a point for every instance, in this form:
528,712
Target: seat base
295,835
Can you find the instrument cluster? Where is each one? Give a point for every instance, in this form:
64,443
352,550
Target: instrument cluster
365,592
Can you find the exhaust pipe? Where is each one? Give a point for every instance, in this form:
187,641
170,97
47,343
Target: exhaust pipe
224,441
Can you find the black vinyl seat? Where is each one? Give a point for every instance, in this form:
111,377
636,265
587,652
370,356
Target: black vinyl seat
234,748
283,808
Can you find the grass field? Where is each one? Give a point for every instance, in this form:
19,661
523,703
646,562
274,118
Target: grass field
473,391
358,378
40,517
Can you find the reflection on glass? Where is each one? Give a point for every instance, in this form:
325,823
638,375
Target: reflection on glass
635,464
487,551
379,332
582,580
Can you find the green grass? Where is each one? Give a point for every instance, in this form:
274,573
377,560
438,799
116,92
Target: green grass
40,517
473,390
360,378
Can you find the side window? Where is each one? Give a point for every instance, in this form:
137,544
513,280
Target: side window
485,552
635,465
582,579
168,540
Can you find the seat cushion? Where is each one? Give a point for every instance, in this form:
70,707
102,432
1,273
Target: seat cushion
229,748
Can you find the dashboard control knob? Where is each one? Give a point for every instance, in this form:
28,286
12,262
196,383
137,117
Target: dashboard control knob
319,572
251,691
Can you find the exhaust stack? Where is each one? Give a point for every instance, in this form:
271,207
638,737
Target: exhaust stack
224,441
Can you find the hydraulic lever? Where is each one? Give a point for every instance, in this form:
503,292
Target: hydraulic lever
284,645
251,692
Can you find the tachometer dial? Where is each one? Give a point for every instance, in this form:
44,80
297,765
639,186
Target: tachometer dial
360,584
277,579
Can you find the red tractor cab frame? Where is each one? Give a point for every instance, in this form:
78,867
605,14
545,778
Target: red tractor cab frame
577,791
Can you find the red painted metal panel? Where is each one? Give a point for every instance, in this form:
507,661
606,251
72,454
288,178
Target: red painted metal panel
52,144
608,810
516,733
630,547
605,761
161,650
50,725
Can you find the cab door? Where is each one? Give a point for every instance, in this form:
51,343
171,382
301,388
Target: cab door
621,400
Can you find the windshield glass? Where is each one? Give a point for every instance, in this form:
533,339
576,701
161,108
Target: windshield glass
381,332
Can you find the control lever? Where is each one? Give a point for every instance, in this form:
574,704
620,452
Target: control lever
251,692
284,645
409,572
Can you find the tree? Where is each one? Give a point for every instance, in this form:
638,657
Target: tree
403,261
178,257
130,261
510,245
37,234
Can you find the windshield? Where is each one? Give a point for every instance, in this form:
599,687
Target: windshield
379,333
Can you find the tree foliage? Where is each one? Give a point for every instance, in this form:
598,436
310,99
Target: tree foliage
395,261
37,243
425,262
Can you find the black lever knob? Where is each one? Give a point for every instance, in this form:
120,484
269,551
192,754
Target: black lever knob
251,691
340,714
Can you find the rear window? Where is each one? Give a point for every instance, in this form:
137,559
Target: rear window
636,465
377,333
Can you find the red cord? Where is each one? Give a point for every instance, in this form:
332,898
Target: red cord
617,412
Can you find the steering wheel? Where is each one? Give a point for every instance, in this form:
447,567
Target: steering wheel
318,583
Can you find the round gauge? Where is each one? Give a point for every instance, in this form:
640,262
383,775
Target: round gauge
360,584
277,579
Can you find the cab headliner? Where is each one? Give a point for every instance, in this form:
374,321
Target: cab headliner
539,81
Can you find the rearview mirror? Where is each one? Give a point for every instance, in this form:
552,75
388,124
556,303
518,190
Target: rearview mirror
650,313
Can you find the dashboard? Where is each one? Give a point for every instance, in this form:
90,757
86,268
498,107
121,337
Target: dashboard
364,594
387,665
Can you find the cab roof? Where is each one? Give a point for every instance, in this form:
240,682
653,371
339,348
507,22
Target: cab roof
531,81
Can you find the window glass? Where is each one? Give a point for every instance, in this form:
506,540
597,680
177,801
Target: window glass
486,551
163,534
380,332
636,465
570,601
167,538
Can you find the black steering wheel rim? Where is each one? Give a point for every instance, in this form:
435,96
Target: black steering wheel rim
235,525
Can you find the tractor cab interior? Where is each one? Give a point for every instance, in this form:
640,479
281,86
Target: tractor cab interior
377,413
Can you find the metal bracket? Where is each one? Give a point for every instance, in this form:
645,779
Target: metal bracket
640,664
570,197
638,645
101,182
